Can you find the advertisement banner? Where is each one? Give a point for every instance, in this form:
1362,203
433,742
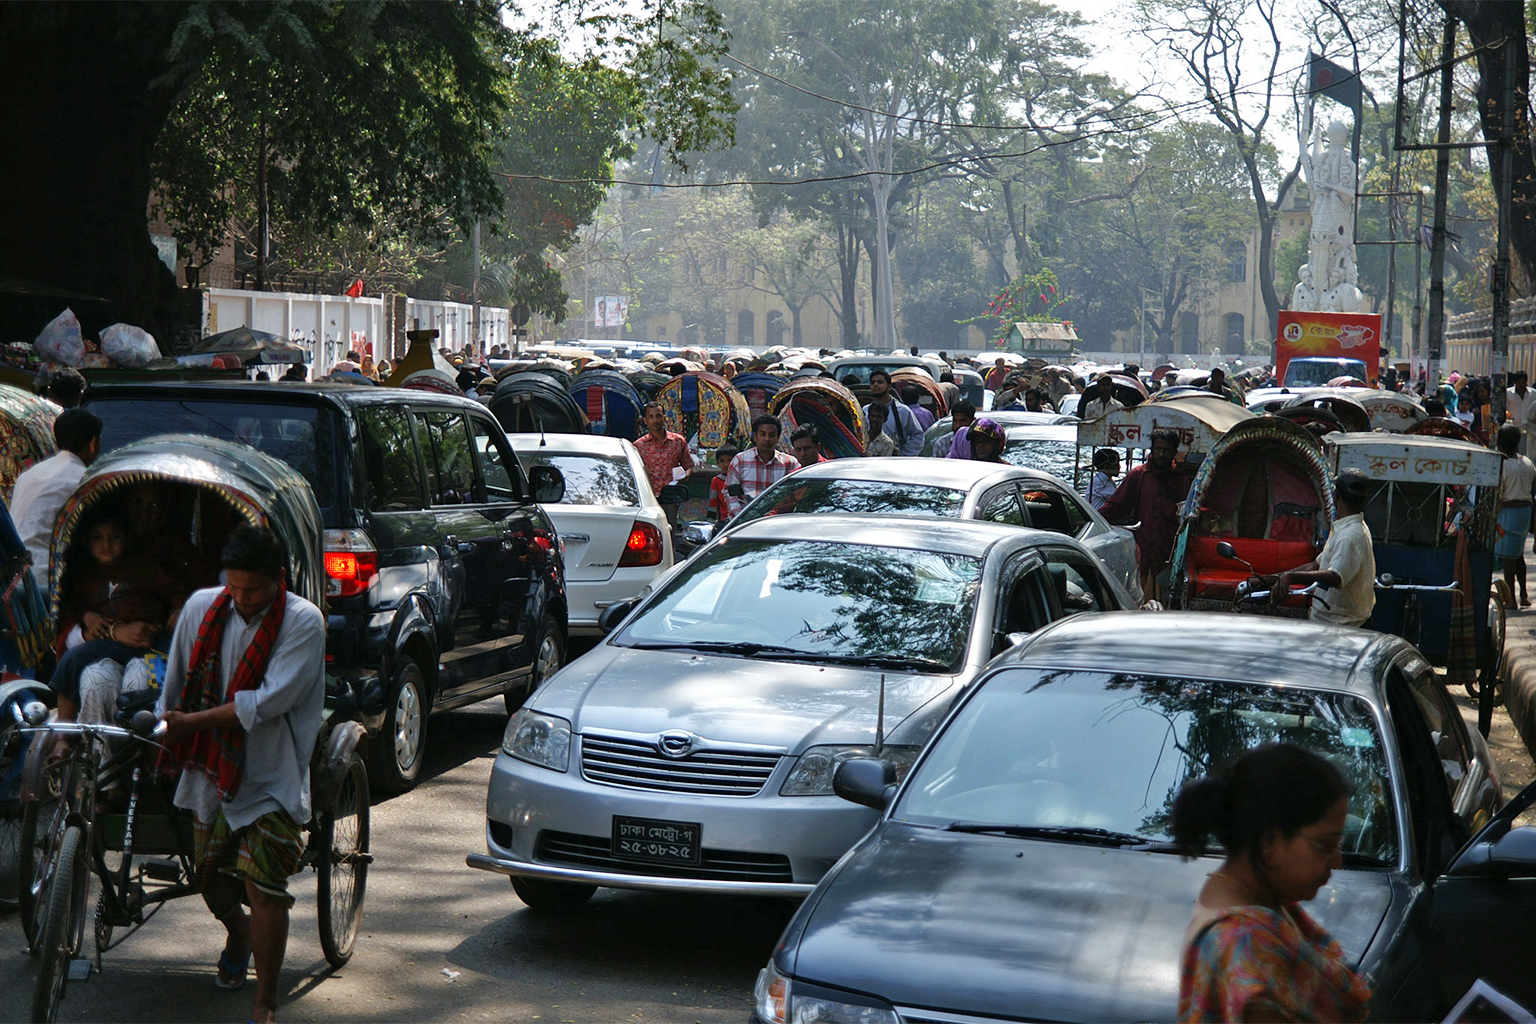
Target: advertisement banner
610,311
1328,335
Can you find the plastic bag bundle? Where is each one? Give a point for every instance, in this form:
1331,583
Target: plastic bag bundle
127,345
61,341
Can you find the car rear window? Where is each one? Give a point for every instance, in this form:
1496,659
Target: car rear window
590,479
296,434
793,494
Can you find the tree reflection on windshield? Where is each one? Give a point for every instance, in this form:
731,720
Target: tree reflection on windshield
591,479
823,599
1103,750
860,496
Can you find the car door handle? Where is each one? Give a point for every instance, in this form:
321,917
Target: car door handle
578,538
463,547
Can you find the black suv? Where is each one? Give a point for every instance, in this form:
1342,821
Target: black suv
445,584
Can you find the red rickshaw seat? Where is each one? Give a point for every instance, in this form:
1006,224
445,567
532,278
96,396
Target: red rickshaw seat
1214,577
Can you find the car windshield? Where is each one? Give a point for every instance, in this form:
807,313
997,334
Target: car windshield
290,433
832,495
1305,372
1099,750
818,600
590,479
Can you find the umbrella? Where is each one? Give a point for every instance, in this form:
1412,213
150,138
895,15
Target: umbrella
251,346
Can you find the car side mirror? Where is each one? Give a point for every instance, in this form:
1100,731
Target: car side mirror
1513,855
673,494
547,485
609,618
1225,549
867,781
699,532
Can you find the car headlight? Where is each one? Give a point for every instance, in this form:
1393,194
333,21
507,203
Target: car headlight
812,774
539,739
782,1001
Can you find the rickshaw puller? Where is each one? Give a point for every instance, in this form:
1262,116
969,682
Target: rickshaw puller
1346,566
246,679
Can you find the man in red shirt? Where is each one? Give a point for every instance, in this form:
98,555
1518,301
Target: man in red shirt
1151,494
662,451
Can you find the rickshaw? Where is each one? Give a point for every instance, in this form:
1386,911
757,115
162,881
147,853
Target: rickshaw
828,406
1433,521
758,387
1260,503
529,401
1392,411
26,435
611,402
706,409
1201,419
136,844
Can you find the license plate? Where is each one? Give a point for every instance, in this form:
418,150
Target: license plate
662,842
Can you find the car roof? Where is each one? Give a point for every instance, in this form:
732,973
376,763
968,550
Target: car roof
350,394
959,473
585,444
949,536
1211,645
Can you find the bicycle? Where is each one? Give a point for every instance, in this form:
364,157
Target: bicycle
71,825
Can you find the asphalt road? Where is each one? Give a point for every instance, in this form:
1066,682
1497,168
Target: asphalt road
624,957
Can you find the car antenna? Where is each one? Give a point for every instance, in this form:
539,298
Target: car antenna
880,719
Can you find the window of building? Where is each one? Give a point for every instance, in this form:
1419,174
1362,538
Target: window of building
1189,333
1237,262
745,328
1237,332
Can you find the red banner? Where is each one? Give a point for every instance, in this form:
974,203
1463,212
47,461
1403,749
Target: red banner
1334,335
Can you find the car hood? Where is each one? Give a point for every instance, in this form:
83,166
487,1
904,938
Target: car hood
1024,929
745,700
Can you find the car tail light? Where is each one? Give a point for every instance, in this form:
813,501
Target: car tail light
643,546
351,562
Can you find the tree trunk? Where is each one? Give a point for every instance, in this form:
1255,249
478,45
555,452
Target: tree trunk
848,279
75,217
1489,23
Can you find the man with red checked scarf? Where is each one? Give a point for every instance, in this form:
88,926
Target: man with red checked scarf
243,698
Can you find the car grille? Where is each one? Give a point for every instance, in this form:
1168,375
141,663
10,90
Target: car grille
637,764
723,865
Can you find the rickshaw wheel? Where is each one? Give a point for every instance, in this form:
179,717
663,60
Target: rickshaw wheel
40,834
63,925
12,743
1491,673
343,865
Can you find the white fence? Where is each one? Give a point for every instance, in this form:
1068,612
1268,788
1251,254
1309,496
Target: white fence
328,326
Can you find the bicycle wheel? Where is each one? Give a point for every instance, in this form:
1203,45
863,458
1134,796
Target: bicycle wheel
63,926
42,826
1491,665
13,747
343,864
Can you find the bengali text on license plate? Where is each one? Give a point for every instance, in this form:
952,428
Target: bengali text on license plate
671,842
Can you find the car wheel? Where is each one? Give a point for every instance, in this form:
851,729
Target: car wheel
548,656
552,897
396,753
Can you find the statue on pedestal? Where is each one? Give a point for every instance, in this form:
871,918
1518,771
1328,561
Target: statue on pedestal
1330,277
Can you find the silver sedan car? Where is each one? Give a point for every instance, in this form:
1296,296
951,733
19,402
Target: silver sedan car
694,749
951,488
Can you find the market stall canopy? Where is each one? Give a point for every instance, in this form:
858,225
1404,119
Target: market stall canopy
251,346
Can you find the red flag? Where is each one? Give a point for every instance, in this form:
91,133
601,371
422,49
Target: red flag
356,290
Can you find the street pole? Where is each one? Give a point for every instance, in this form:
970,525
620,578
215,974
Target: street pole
1500,283
474,324
1436,333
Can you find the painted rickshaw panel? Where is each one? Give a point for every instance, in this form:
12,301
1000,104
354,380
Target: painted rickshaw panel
1200,421
26,435
829,406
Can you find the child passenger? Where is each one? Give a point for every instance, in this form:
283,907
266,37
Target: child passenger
117,620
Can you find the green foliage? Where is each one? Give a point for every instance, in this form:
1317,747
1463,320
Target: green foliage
1032,298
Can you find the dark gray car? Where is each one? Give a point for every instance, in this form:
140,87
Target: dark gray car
1023,869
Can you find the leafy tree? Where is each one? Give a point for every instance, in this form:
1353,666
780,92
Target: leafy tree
364,113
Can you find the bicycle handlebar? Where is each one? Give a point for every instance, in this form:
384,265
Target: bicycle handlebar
1386,582
1310,590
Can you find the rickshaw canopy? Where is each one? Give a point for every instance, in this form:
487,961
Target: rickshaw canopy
1404,458
1201,420
26,435
261,489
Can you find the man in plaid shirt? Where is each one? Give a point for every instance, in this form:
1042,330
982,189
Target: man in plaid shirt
759,467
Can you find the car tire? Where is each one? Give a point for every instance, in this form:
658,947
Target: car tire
548,656
552,897
397,752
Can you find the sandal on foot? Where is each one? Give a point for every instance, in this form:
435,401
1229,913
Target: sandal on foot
232,970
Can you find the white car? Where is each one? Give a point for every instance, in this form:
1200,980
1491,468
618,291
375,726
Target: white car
614,531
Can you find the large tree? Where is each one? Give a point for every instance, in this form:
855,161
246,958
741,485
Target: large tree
367,110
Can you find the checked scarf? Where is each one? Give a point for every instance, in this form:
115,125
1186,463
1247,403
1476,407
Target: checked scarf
220,753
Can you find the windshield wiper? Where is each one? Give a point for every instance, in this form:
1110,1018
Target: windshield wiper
1063,833
745,647
900,662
